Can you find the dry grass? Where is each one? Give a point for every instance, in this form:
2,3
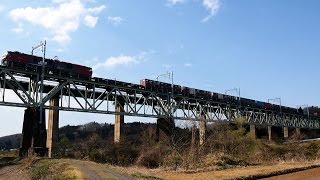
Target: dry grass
13,153
234,173
144,173
73,171
51,169
92,170
135,170
218,174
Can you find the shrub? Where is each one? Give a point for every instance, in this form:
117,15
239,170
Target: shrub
152,158
312,151
121,154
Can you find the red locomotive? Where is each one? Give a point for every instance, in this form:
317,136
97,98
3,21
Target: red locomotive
18,60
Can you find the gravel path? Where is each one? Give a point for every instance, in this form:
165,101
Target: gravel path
97,171
14,172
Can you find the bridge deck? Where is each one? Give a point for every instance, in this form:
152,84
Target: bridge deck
99,97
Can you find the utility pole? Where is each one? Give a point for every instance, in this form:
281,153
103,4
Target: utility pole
307,108
237,90
171,109
43,46
278,99
170,76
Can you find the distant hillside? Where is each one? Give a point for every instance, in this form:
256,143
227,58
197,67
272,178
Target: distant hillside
10,142
78,133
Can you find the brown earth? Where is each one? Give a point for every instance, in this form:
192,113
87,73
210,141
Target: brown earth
250,172
76,168
14,172
311,174
91,170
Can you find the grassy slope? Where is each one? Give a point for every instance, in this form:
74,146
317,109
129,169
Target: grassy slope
251,172
66,169
52,169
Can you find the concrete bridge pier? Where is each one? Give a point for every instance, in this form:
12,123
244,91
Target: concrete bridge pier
285,132
270,133
27,131
253,130
202,129
118,121
53,126
165,125
298,132
193,135
34,133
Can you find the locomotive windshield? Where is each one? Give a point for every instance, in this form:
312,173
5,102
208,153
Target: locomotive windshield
3,59
4,55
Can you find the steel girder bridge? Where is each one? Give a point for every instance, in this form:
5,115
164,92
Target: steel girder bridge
93,96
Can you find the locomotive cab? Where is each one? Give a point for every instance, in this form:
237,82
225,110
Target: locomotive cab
4,59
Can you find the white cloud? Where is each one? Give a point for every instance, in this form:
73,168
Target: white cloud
115,20
174,2
59,50
96,10
114,61
1,8
144,55
20,30
17,30
124,60
167,66
61,38
61,20
90,21
212,6
187,65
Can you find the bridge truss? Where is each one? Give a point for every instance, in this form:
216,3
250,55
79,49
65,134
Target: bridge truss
20,88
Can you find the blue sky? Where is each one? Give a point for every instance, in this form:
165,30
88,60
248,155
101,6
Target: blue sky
267,48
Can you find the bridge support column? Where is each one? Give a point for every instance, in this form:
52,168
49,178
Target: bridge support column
253,130
167,126
270,133
285,132
202,129
27,131
119,121
53,126
193,136
34,133
298,132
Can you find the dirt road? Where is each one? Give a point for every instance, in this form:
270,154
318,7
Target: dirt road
311,174
13,172
80,169
89,170
95,171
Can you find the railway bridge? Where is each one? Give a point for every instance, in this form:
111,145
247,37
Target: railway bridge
97,95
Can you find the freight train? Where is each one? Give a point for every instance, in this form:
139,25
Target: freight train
218,97
18,60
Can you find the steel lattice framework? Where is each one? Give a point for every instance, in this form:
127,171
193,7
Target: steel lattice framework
98,97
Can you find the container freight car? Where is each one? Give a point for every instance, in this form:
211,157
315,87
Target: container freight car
163,87
18,60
